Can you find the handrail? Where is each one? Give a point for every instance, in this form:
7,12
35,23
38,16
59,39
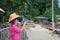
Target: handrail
4,34
3,29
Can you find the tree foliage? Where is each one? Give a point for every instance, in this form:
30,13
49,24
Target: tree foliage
29,8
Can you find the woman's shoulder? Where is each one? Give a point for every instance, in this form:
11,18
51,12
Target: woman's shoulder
11,24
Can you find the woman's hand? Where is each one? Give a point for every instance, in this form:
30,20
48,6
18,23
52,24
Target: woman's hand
23,25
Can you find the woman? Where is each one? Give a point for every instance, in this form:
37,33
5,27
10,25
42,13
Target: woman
15,31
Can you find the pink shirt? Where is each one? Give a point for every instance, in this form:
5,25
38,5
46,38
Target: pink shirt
14,32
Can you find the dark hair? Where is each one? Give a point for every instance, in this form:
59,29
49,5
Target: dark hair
13,21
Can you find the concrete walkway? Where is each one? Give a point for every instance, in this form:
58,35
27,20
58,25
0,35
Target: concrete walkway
40,33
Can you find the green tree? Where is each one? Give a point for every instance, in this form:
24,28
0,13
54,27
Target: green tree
48,13
31,8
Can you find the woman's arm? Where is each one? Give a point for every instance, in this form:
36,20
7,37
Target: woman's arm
16,29
22,25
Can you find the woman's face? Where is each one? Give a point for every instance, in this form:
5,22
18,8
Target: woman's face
16,20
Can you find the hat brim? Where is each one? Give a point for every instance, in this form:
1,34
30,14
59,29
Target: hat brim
11,19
